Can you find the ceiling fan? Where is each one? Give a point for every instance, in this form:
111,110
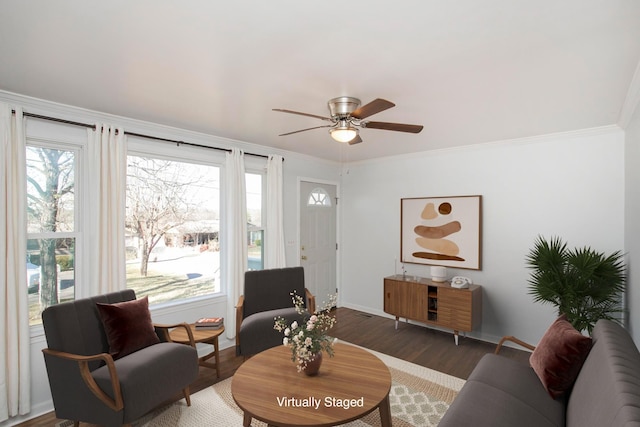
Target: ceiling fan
347,117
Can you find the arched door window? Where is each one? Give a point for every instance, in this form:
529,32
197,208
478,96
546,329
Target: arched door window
319,197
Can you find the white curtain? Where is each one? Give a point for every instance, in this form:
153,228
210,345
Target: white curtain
107,195
235,233
15,376
274,233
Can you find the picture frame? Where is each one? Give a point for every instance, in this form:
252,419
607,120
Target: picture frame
444,231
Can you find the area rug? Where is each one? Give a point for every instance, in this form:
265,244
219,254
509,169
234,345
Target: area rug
419,397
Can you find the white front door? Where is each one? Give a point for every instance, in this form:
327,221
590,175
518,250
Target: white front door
318,241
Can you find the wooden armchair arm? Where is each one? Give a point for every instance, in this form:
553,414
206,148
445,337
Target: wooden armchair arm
116,403
239,314
311,300
165,331
515,340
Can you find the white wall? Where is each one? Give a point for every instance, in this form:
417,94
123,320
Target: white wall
632,222
569,185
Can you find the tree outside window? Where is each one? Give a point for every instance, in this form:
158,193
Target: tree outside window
172,229
51,227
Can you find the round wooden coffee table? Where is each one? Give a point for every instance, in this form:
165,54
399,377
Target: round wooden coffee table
352,384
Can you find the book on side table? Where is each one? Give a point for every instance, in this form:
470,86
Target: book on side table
209,323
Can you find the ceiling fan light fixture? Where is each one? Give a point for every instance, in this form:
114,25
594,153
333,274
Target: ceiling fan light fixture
343,133
347,117
343,105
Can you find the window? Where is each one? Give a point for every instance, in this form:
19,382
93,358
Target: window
52,226
255,227
319,197
172,229
172,222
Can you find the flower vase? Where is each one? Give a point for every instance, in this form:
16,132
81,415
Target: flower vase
313,365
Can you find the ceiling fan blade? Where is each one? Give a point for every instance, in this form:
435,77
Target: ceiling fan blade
374,107
398,127
356,140
304,130
280,110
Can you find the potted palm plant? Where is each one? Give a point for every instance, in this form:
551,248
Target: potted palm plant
583,284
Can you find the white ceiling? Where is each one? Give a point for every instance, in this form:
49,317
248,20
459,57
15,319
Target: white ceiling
470,71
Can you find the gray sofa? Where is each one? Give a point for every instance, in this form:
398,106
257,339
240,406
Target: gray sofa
503,392
267,294
91,385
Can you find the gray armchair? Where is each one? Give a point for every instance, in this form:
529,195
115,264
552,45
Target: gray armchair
91,385
267,294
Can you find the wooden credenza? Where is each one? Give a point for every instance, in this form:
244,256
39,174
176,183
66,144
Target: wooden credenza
435,303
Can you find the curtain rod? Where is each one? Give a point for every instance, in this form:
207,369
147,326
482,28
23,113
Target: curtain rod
178,143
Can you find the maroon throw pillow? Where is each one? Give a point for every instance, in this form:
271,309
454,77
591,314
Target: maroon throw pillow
559,356
128,326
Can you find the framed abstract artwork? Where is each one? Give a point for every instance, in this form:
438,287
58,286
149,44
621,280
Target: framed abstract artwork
442,231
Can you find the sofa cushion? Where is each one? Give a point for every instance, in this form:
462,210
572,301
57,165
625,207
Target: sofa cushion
607,390
559,356
128,326
503,392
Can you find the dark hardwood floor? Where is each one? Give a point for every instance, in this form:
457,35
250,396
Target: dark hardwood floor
416,344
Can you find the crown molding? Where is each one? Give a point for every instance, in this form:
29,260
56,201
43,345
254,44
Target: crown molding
536,139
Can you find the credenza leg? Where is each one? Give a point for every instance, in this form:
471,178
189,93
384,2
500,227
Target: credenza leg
396,322
455,336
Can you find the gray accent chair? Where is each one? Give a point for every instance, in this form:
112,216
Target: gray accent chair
88,385
267,294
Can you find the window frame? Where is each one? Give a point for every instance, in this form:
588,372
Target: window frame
185,154
316,201
80,206
263,211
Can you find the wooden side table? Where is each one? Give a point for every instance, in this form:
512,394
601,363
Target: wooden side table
206,336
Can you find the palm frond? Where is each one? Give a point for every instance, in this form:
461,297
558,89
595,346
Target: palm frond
584,284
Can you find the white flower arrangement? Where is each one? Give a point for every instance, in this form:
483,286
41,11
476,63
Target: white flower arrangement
308,338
